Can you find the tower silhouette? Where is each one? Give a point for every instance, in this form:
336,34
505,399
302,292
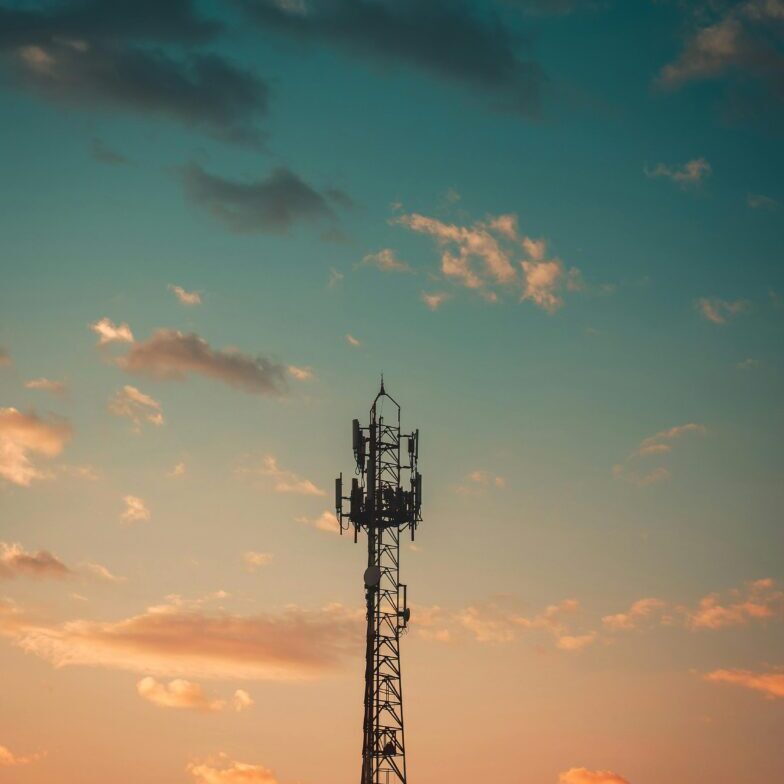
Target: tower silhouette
380,506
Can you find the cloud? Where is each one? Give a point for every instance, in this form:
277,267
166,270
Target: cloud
771,684
270,205
23,435
585,776
185,297
10,760
301,373
224,770
657,444
5,357
104,154
102,573
185,640
748,364
760,600
173,355
758,201
689,174
447,40
479,480
335,278
491,256
555,7
180,469
109,332
78,55
739,40
435,300
129,402
283,481
500,620
386,260
179,693
326,521
15,562
135,509
352,341
58,388
241,700
638,613
254,560
719,311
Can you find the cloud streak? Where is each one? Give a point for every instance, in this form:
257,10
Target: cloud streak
446,40
133,404
271,205
15,561
173,356
21,437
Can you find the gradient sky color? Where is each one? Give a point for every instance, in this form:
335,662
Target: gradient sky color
554,225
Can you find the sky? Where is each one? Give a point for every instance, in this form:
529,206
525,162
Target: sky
556,227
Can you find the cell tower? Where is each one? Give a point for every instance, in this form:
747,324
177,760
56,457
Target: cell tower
380,506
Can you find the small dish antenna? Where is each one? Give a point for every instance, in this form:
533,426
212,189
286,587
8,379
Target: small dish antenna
372,576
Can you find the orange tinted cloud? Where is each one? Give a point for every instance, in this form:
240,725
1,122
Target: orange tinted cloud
23,435
133,404
585,776
186,640
283,481
15,561
179,693
10,760
759,600
224,770
771,684
639,612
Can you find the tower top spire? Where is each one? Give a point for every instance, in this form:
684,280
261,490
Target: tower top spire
382,391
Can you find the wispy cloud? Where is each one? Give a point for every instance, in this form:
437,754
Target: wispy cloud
25,435
185,297
15,561
254,560
352,341
268,205
301,373
10,760
179,694
585,776
479,480
133,404
102,153
491,256
109,332
635,468
5,357
186,640
57,388
102,573
283,481
135,510
448,41
719,311
386,260
770,684
435,300
689,174
224,770
326,521
758,201
173,355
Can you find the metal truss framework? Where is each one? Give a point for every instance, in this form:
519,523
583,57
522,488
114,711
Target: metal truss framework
383,509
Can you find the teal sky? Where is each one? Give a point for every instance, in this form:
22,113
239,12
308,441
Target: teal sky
532,417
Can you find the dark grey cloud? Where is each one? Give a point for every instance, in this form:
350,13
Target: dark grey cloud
104,154
555,7
270,205
173,355
137,56
447,38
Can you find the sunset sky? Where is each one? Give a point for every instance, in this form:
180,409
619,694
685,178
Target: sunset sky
556,226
